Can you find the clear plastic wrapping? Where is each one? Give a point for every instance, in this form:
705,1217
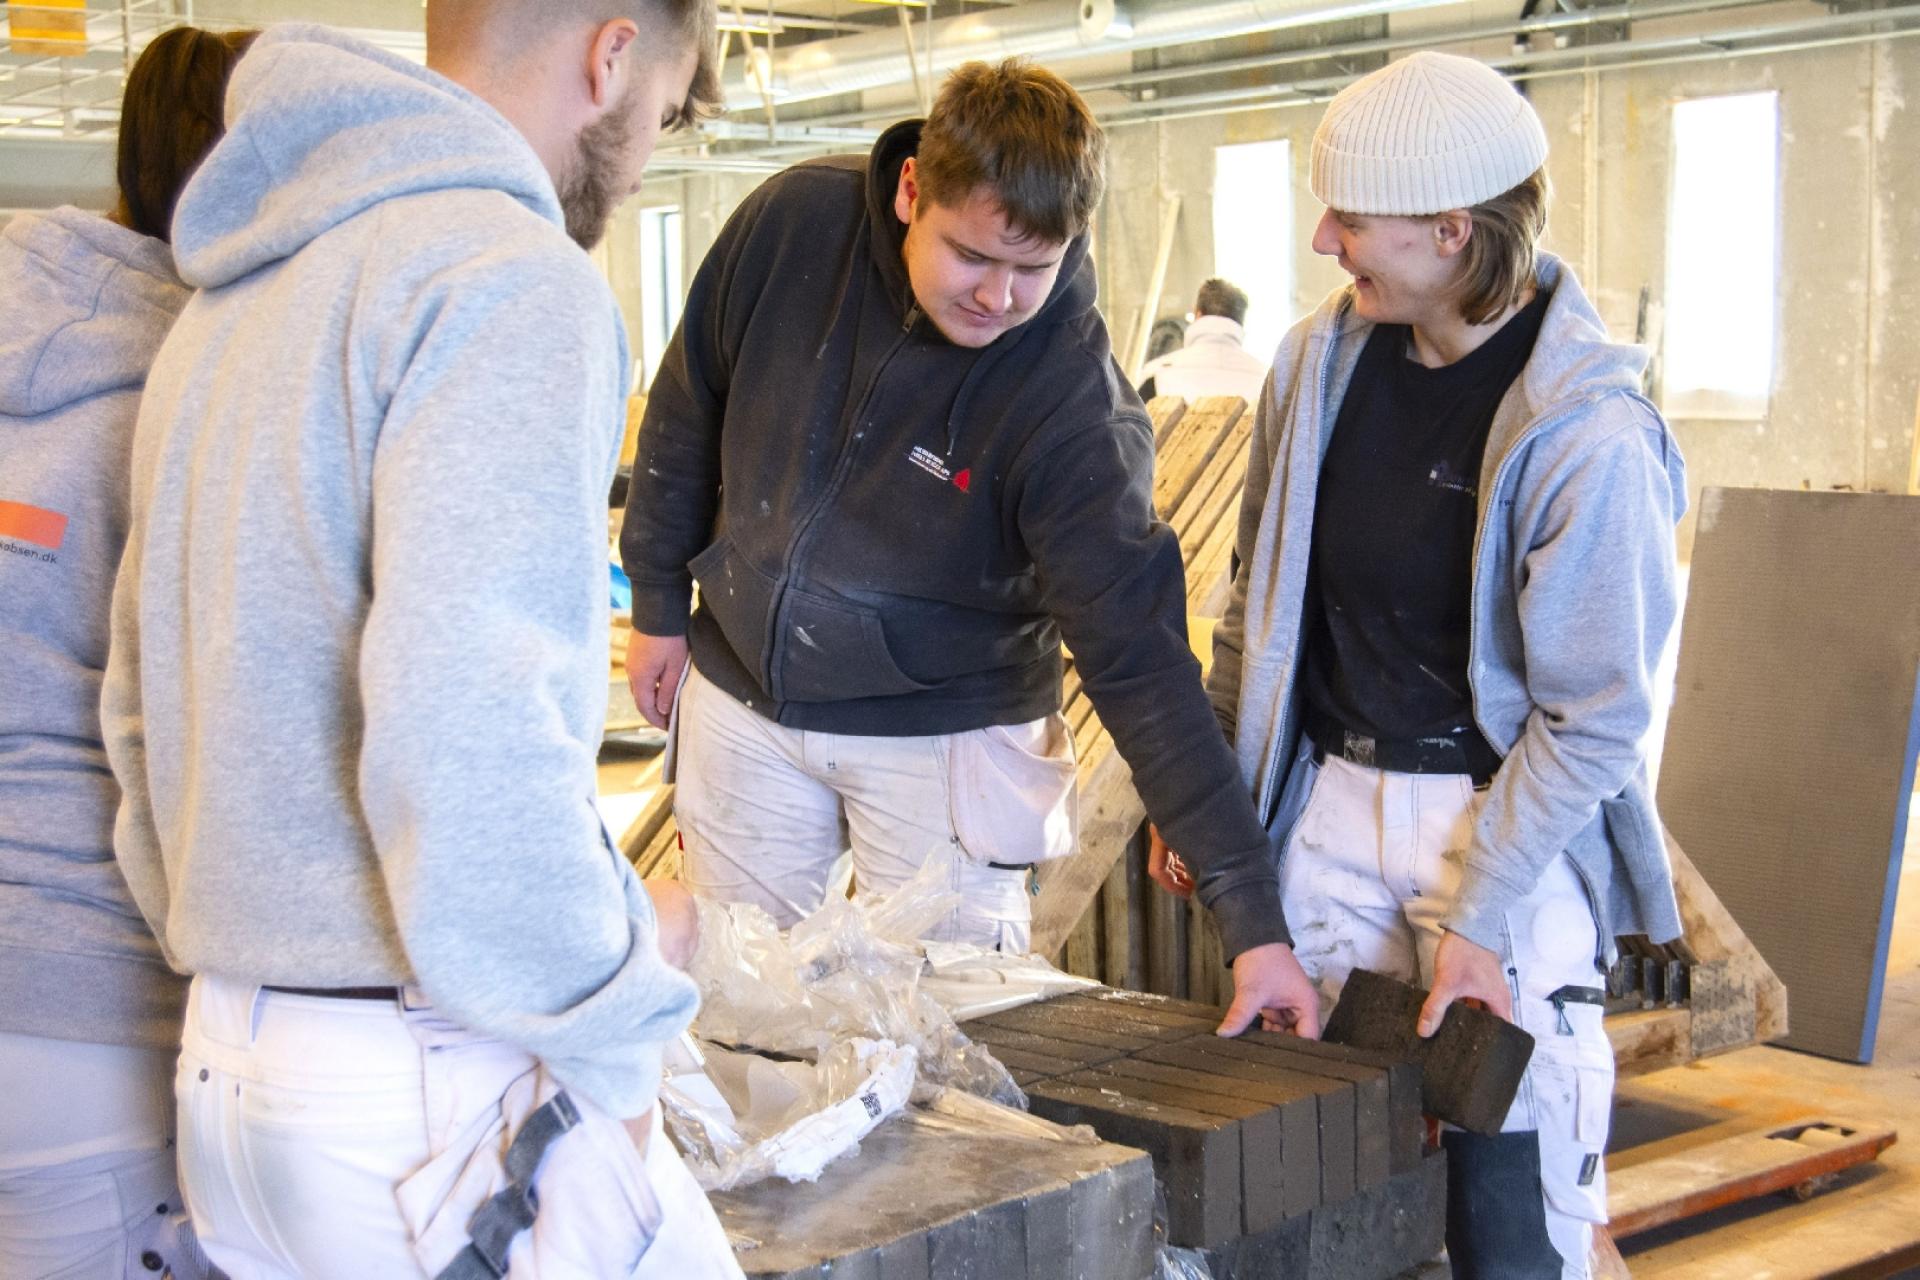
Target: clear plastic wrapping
851,969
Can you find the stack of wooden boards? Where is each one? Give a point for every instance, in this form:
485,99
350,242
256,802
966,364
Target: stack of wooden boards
1200,466
1278,1156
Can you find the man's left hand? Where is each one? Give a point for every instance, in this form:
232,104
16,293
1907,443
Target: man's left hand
1465,970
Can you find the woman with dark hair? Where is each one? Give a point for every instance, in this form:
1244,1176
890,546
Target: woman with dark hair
1437,664
90,1013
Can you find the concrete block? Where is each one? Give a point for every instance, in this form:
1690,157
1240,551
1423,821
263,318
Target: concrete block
1407,1137
1075,1053
1378,1233
1141,1007
1372,1098
1040,1020
1111,1225
1295,1096
1262,1205
1470,1068
1339,1128
918,1201
1196,1156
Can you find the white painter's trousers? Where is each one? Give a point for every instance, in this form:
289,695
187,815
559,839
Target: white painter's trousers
765,811
1368,874
87,1185
308,1126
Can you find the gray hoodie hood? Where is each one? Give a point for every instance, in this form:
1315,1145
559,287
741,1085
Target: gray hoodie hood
298,160
86,305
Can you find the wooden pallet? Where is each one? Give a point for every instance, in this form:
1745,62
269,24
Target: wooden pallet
1801,1160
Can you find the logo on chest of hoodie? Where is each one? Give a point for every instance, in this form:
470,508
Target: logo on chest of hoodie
936,466
46,530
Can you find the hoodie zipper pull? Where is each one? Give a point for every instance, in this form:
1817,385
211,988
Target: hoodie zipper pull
913,318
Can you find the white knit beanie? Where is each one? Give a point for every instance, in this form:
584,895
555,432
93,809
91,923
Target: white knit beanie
1426,134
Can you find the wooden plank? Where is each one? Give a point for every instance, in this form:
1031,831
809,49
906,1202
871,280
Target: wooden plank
1650,1039
1716,937
1116,924
1165,413
1200,436
1167,946
1083,944
1717,1174
1208,979
1110,812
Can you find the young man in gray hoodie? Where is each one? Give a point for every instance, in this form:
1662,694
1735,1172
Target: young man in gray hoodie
358,643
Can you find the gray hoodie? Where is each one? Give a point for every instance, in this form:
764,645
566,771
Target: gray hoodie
358,674
83,307
1574,596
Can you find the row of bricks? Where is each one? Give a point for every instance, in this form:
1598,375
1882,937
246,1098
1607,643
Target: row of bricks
924,1203
1244,1133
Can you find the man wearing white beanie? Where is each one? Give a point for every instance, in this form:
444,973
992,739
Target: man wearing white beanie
1437,667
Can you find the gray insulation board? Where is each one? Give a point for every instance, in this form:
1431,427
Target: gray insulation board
1789,757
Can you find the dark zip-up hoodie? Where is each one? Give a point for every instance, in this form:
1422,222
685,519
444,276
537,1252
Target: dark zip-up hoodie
893,533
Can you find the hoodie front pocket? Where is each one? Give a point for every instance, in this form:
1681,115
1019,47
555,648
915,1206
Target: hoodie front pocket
831,651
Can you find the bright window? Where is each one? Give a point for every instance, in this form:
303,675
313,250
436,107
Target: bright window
661,290
1253,234
1722,256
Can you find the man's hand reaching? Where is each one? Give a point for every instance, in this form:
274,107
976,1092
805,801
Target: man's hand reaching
1269,984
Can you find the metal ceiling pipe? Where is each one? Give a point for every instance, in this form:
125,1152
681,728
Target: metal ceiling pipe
1044,29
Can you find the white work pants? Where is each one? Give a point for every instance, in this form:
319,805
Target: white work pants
87,1185
765,811
302,1117
1368,874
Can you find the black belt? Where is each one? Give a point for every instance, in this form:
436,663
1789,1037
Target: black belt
339,993
1467,753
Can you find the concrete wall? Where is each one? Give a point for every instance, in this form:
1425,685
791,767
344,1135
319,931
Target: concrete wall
1848,357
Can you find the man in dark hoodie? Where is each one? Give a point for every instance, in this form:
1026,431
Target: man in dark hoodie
891,444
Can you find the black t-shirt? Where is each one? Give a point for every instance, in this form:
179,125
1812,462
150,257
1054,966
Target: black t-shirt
1393,525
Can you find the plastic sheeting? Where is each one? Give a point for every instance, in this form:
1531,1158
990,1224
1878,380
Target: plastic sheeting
809,1039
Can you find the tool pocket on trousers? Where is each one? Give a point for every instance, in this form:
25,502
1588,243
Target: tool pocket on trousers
578,1205
1011,791
1572,1106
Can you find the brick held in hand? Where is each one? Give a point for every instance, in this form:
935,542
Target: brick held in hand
1470,1068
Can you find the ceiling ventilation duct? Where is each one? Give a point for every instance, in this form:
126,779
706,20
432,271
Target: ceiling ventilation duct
1044,29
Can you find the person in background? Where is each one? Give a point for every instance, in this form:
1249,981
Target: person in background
1213,360
89,1012
1444,714
356,683
890,442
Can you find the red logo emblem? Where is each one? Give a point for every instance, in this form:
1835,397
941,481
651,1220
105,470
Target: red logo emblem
963,478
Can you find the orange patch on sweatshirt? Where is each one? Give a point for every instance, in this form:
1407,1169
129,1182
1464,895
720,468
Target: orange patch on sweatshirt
32,524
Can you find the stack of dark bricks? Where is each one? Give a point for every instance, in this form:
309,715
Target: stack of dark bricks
1277,1155
935,1201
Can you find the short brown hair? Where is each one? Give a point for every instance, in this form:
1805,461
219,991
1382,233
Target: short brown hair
697,22
1024,134
1497,267
172,113
1219,297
